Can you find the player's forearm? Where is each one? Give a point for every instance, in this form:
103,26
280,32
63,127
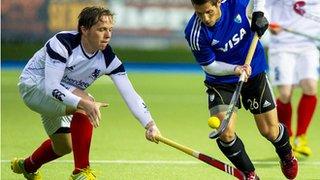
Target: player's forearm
60,93
259,5
132,99
219,68
54,89
139,109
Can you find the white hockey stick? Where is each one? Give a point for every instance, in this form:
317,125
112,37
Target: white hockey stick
274,26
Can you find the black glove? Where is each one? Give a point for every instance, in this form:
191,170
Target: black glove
259,23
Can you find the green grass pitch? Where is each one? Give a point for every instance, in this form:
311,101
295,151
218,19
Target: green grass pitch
119,150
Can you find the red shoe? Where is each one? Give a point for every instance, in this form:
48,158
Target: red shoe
289,166
251,176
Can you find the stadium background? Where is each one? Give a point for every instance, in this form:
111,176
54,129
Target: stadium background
148,33
154,27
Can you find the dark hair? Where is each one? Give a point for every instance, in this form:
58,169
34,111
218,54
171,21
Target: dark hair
89,16
200,2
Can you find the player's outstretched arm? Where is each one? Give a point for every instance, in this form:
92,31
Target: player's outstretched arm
136,105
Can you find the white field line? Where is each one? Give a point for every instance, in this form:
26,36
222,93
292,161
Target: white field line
311,163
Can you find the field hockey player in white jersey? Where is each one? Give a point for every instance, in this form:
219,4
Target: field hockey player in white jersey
53,84
294,62
220,35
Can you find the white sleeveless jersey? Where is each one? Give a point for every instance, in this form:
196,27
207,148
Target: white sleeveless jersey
283,13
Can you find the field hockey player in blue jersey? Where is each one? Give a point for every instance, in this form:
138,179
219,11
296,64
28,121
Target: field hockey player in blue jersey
219,35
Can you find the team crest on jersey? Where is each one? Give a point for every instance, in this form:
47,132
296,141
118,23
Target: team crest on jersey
95,74
214,42
238,19
56,61
71,68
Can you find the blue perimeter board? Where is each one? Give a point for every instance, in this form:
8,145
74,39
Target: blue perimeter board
135,67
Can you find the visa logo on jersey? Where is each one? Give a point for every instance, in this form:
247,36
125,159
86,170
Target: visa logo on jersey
234,40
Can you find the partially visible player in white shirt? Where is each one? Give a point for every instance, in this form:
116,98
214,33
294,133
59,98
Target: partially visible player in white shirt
294,61
53,84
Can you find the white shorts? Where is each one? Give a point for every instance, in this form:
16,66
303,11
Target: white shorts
289,68
53,112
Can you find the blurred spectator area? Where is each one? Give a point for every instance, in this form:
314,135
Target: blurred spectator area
145,30
26,20
139,23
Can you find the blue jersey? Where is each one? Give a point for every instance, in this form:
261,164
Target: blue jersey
227,41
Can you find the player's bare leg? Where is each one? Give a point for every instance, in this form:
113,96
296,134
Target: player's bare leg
61,143
277,134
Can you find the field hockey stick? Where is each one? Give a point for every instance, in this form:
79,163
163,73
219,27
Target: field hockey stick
274,25
232,106
202,157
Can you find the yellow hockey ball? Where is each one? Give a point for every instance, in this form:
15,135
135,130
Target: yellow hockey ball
214,122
